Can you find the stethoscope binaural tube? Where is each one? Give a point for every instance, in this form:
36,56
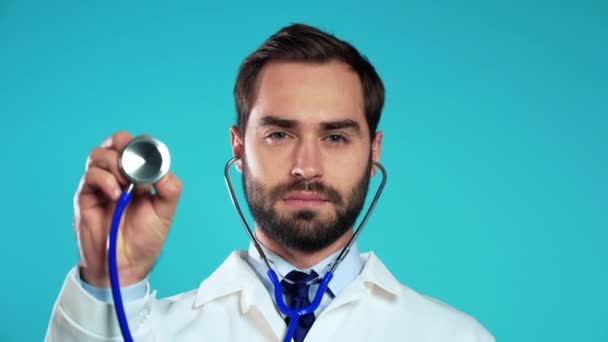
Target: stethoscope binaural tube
144,160
295,314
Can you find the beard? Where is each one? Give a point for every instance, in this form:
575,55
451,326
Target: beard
304,230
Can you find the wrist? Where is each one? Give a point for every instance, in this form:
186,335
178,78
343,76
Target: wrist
128,293
102,279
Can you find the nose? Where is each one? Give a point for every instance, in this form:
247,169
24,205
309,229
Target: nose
307,161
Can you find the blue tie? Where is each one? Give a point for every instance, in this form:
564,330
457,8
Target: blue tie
297,297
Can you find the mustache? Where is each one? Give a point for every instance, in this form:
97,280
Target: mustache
279,191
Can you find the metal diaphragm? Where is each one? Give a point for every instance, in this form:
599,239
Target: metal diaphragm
145,160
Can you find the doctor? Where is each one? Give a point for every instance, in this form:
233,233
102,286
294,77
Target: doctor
308,105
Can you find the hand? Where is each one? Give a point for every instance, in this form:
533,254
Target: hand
144,225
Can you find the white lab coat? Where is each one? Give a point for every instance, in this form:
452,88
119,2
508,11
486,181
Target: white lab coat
233,305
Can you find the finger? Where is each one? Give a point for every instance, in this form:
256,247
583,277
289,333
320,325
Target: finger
86,197
142,189
99,180
168,191
117,141
107,159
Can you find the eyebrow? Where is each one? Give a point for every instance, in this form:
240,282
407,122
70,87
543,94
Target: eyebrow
341,124
271,120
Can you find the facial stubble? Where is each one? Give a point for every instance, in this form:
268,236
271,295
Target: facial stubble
304,230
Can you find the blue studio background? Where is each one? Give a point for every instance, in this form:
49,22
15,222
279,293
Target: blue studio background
496,131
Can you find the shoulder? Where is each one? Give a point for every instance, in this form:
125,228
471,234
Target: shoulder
421,312
441,317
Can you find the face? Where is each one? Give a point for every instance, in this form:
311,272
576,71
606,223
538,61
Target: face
306,153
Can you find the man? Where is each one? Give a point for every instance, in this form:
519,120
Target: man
308,106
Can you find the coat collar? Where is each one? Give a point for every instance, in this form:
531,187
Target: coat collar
375,273
374,276
348,270
235,275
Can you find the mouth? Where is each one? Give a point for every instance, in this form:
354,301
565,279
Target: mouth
305,200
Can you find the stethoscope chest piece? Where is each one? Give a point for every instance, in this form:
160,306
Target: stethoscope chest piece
145,160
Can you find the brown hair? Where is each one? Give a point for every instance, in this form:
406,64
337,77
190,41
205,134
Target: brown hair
303,43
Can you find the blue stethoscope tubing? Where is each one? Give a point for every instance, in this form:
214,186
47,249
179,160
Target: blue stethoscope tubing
121,316
295,314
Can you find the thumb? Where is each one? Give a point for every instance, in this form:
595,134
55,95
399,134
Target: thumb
168,191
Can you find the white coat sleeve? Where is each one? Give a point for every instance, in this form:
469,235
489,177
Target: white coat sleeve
78,316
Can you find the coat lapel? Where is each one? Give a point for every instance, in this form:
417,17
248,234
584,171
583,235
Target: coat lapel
236,277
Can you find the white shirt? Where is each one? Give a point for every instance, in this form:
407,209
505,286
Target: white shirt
234,305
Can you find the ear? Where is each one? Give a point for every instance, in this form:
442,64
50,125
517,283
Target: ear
237,146
376,149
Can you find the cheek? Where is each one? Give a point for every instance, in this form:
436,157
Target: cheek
263,164
346,170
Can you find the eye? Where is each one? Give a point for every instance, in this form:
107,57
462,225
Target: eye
279,135
336,139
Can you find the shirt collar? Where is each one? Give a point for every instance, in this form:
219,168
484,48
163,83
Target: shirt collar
349,268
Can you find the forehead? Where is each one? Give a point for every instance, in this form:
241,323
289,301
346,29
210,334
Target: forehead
309,92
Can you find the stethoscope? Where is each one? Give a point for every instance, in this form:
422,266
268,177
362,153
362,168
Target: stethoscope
151,166
295,314
145,160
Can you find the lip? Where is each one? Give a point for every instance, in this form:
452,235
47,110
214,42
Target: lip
305,200
305,196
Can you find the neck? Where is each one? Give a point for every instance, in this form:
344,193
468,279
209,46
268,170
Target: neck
300,259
